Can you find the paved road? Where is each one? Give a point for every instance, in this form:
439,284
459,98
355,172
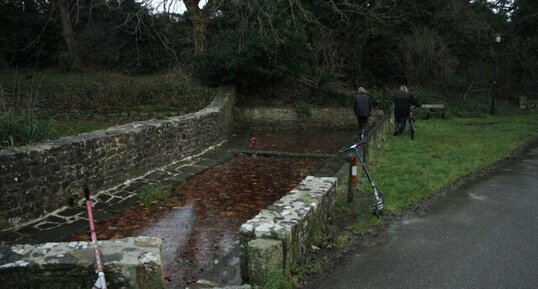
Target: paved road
485,235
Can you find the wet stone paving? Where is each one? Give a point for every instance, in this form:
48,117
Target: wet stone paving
212,196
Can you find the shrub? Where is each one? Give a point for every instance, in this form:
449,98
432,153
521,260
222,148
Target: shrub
303,109
480,105
426,57
106,92
381,98
256,63
23,129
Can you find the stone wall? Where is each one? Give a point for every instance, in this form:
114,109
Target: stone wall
280,236
291,223
383,127
38,179
290,118
128,263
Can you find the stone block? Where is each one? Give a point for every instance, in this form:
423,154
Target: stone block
292,220
264,257
128,263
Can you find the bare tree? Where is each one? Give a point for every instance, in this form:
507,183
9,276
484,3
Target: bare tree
327,62
425,57
200,18
67,29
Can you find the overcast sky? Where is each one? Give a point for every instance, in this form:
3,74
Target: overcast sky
173,6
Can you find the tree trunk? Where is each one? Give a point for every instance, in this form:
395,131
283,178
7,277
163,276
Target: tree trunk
200,20
69,37
199,33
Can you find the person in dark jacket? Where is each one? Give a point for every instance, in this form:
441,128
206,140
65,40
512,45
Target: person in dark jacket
362,106
403,100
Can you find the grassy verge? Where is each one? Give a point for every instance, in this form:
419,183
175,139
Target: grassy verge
32,103
22,129
410,171
76,126
445,151
103,91
18,130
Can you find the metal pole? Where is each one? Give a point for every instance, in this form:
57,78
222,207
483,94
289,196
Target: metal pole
100,283
494,84
352,179
494,91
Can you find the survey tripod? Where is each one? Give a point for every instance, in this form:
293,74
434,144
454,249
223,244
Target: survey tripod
377,205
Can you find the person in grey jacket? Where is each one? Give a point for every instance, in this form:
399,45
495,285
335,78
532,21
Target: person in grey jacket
362,107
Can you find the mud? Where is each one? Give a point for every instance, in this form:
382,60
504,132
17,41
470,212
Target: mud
302,141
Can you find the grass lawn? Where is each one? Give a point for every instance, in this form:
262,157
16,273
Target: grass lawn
407,172
444,151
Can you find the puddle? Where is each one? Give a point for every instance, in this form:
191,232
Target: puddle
225,197
200,224
175,227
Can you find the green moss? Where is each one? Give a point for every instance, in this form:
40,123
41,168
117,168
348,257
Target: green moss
277,280
154,194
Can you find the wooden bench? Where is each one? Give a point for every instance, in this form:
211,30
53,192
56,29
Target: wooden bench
438,108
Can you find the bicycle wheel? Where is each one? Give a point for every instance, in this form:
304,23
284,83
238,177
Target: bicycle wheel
377,212
412,128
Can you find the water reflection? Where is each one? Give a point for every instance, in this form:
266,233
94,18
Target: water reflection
174,229
200,222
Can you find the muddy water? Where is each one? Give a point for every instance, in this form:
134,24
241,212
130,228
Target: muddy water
200,221
303,141
221,200
199,224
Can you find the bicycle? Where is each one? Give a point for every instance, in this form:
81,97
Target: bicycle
377,206
412,127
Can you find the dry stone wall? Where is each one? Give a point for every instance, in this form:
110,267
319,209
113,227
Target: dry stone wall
293,221
378,134
38,179
279,237
129,263
289,118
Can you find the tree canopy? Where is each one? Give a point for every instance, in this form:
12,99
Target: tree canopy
265,46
